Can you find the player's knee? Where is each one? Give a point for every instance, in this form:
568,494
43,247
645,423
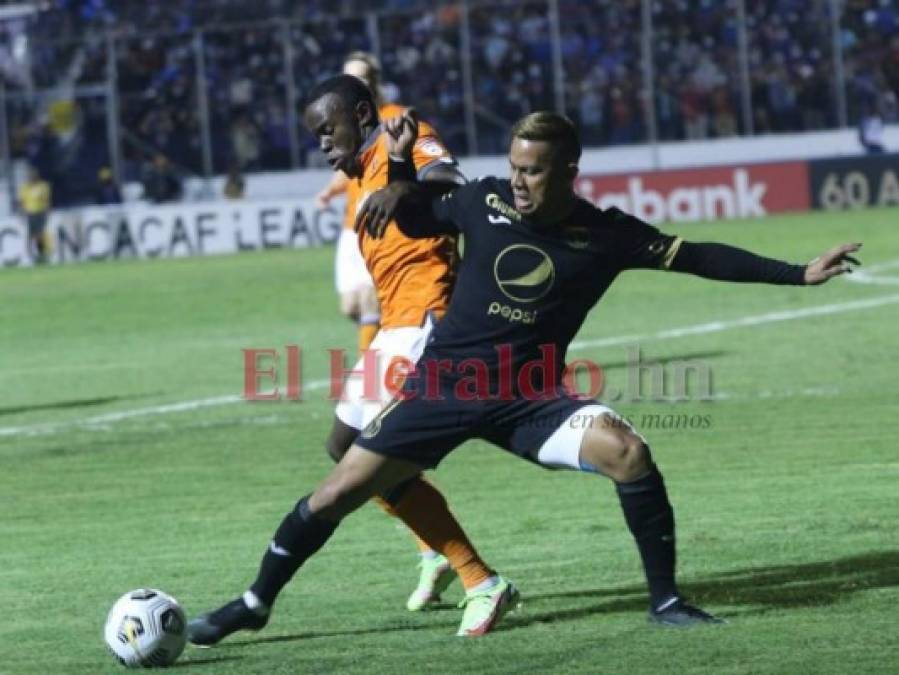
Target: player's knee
620,454
635,459
332,496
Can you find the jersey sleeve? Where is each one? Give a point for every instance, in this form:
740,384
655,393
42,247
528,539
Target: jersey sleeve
452,208
429,152
639,245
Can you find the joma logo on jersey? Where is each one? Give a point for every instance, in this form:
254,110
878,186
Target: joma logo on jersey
524,273
577,237
513,314
494,202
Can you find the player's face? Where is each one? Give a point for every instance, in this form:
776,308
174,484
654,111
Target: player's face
542,184
338,130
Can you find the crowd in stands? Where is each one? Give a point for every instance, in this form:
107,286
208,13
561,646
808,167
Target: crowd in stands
870,40
425,68
695,62
604,71
512,62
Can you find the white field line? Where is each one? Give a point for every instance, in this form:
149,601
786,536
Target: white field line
743,322
113,417
805,392
863,278
870,274
68,367
697,329
876,267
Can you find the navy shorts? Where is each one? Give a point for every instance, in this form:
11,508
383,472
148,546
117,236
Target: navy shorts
424,430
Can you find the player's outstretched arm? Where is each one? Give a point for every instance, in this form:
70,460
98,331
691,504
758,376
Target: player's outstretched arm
728,263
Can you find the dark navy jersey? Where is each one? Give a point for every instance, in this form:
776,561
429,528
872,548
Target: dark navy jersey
522,286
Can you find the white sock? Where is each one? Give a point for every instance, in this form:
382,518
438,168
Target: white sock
485,585
429,555
255,604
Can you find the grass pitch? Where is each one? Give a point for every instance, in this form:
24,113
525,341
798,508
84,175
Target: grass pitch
786,500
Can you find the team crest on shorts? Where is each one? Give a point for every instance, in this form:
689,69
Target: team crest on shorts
372,428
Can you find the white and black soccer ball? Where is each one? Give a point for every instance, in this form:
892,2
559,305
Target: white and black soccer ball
146,628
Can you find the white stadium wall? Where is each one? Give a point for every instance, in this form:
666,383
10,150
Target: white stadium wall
613,160
176,230
728,178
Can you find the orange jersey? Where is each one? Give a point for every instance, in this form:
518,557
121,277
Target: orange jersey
352,197
385,112
390,110
412,276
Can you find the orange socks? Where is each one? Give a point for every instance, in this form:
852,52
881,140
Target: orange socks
425,511
388,509
367,332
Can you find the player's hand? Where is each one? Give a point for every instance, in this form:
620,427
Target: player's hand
322,199
833,263
380,208
402,132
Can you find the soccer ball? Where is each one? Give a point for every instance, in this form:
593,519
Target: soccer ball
146,628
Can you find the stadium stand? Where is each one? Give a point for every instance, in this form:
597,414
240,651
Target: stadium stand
58,92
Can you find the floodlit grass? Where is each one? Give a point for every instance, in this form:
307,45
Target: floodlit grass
786,499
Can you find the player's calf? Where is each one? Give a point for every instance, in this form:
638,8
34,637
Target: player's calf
613,448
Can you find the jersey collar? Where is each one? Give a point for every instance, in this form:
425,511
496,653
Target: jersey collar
369,142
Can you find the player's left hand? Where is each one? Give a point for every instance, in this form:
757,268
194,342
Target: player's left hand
379,209
830,264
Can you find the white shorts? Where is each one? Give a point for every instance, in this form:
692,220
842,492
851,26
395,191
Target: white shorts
350,272
562,450
357,407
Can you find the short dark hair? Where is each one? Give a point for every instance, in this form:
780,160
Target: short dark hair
350,90
552,128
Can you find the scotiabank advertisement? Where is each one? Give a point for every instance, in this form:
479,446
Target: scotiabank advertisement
748,191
